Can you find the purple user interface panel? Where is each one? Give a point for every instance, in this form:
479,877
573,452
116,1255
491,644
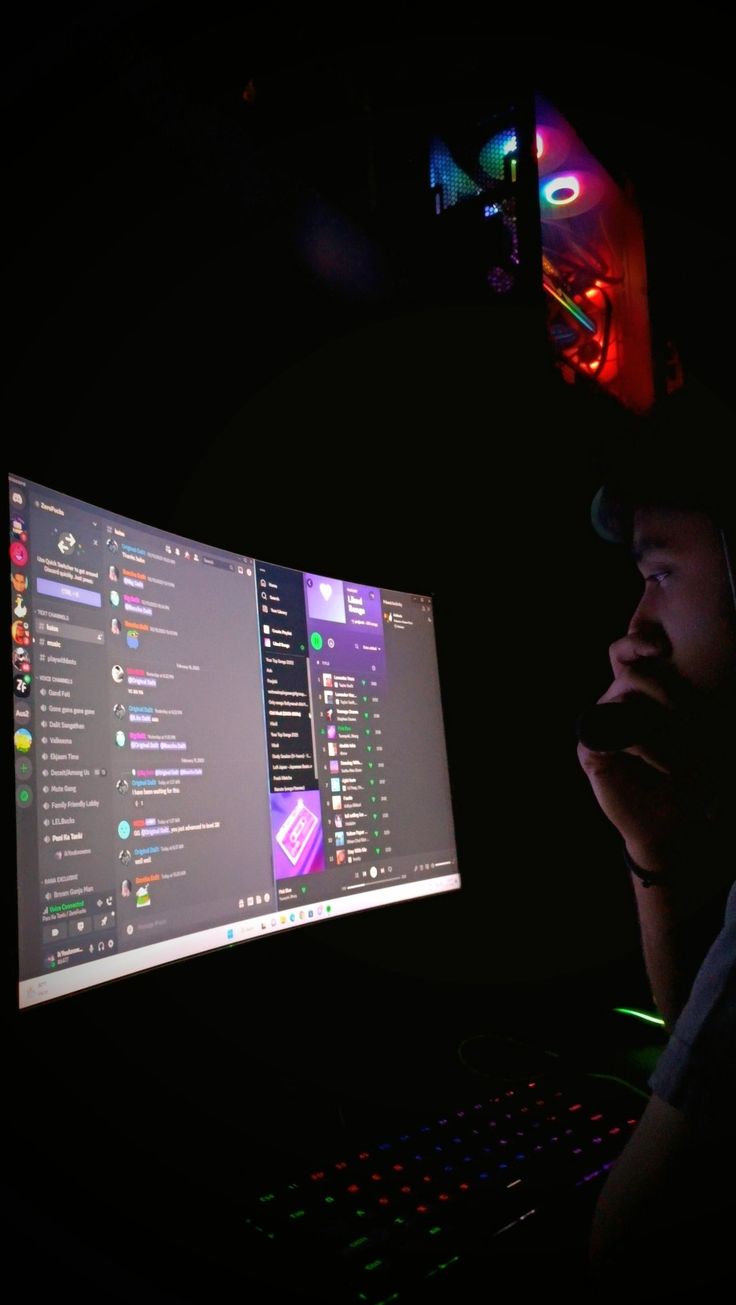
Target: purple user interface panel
348,668
354,736
324,674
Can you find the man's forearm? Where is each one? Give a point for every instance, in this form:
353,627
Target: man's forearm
664,912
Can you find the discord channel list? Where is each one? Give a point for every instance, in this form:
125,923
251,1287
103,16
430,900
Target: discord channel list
140,764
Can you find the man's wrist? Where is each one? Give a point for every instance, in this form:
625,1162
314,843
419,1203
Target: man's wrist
652,871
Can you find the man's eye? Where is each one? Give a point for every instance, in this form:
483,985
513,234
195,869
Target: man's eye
656,577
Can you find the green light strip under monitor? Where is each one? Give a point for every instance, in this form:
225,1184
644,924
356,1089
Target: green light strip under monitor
639,1014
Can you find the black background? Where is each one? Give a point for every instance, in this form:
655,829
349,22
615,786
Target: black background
176,357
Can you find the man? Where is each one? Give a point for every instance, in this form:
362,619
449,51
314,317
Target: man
661,1218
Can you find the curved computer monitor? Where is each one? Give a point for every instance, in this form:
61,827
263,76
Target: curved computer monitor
208,748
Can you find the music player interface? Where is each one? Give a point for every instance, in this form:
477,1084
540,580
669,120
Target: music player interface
207,747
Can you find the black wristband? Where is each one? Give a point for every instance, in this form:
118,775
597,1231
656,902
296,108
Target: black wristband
648,879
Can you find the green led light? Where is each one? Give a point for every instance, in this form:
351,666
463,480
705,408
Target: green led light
639,1015
570,305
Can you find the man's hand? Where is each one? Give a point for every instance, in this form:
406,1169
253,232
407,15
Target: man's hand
653,792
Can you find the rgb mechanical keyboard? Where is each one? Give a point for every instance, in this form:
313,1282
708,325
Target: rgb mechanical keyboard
503,1184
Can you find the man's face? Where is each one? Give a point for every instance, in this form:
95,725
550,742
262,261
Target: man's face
686,610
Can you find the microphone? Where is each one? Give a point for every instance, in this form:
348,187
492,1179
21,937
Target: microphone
613,726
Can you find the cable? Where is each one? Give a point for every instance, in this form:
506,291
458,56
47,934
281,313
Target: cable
622,1082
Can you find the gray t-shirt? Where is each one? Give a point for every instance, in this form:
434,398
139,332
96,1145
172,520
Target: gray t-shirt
697,1069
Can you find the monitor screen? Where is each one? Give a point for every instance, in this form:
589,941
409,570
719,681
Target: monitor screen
208,748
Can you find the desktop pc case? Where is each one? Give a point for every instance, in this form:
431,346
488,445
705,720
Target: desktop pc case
525,213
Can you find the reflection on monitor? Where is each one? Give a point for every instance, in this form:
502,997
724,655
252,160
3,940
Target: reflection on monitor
208,748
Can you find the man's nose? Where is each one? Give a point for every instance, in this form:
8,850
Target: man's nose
647,637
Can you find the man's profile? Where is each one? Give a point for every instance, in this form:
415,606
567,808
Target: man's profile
669,793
